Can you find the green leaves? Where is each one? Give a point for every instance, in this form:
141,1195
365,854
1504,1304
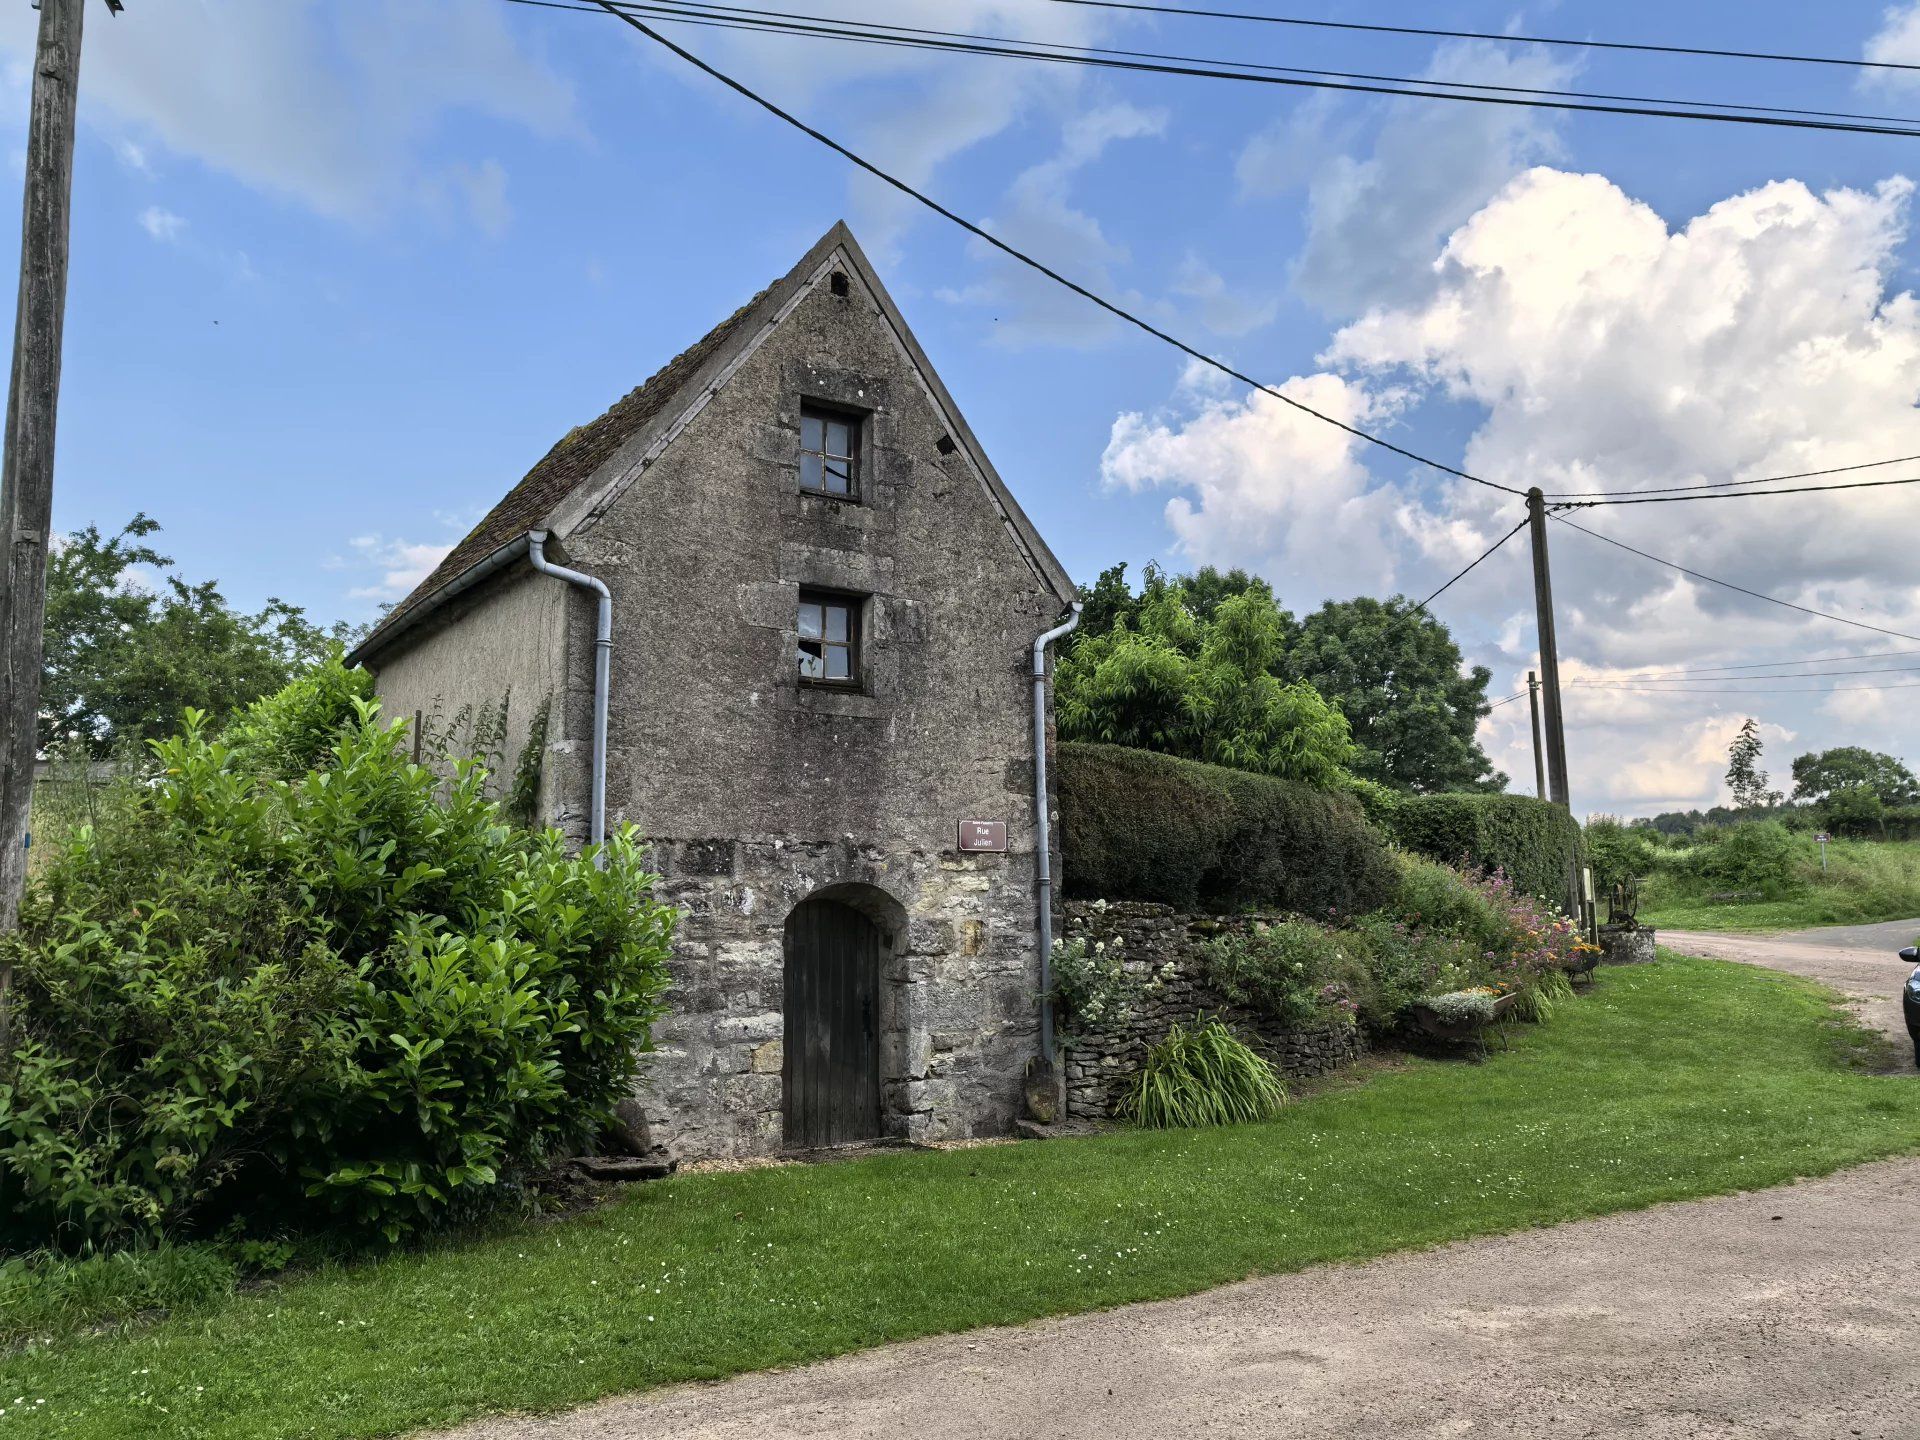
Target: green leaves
334,993
1203,1075
1203,688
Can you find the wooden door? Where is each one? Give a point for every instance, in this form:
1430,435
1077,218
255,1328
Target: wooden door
831,1050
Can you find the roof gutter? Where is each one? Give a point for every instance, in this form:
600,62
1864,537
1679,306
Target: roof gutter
1043,840
536,542
411,618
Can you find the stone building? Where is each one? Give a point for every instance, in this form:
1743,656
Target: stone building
817,704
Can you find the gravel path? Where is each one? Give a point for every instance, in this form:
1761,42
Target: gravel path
1862,962
1781,1313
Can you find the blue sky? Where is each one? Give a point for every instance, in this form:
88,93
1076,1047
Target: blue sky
343,271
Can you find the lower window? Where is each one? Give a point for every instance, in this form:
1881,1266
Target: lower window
829,629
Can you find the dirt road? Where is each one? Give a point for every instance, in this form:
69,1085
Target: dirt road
1786,1312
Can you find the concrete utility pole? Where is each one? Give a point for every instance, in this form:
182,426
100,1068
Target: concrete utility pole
1549,651
1539,758
26,472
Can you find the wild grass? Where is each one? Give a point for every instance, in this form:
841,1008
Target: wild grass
46,1295
1866,881
1682,1078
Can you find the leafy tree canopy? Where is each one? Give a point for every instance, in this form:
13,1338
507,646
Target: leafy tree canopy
131,646
1820,775
1396,674
1163,678
1745,778
1391,671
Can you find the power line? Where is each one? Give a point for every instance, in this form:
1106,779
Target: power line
1729,484
1700,671
1779,675
1496,704
1463,574
1729,585
1030,262
1798,690
1015,50
790,22
1630,498
1640,46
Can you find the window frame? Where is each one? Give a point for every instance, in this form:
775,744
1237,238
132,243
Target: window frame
855,606
826,412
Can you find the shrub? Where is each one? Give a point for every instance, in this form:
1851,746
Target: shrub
1094,986
1438,898
1203,1075
357,994
1536,843
1759,855
1460,932
291,731
1300,973
1140,826
1617,852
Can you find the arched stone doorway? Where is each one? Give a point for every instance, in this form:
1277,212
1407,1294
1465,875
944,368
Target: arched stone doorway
836,1015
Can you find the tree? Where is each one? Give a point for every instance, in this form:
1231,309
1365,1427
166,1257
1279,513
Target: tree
1204,689
1397,675
126,656
1822,774
1855,810
1745,778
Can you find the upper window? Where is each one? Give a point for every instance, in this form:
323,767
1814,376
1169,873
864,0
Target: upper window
829,452
829,627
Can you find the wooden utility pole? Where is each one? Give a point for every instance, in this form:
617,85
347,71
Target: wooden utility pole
26,471
1539,759
1549,652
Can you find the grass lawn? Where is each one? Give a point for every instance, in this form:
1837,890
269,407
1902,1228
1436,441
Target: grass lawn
1684,1078
1866,881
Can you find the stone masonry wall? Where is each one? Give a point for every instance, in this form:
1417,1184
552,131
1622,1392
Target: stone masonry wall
1101,1064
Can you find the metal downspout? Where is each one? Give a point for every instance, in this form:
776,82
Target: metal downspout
602,671
1043,841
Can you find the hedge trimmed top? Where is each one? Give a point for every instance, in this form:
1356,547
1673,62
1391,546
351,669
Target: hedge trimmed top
1137,825
1538,844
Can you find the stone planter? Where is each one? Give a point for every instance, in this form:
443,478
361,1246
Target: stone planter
1627,947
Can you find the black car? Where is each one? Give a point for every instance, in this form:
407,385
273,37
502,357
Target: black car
1910,999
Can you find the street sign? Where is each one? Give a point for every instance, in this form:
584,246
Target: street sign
1823,837
984,835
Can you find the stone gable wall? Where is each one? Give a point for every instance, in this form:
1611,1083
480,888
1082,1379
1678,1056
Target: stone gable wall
1101,1064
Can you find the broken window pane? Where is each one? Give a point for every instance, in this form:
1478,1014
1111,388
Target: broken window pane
812,667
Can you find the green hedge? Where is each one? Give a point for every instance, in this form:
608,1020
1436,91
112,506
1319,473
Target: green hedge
1535,842
1135,825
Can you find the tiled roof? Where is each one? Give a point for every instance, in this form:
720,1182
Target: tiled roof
576,456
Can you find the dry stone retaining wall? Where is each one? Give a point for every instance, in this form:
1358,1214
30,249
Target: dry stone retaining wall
1157,938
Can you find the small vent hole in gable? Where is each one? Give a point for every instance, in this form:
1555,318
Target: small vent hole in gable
945,445
837,283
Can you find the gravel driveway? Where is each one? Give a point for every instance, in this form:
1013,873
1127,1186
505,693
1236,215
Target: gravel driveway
1785,1312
